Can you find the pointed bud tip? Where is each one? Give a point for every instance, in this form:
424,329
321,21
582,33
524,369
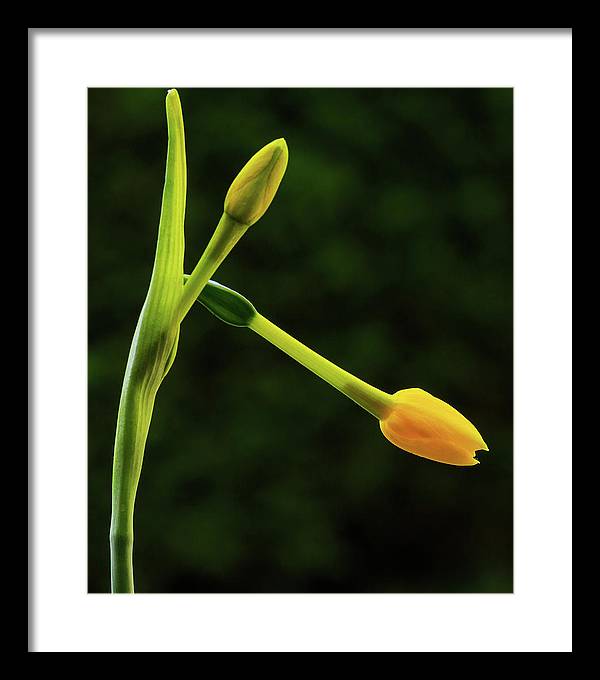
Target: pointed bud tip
173,107
278,149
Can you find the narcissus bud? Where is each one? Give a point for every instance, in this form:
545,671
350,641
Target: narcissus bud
424,425
246,202
411,419
253,189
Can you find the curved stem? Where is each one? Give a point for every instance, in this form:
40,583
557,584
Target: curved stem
373,400
133,424
151,354
227,234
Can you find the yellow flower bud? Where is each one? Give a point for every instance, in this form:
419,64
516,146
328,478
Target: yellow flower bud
412,419
254,188
428,427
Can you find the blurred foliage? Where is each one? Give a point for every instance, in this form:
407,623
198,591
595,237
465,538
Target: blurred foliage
389,250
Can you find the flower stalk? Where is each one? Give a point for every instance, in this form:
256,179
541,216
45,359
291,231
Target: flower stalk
151,354
168,300
374,401
247,200
411,419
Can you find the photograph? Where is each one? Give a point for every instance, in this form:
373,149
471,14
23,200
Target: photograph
300,340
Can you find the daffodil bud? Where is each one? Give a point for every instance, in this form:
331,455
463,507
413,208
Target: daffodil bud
424,425
411,419
254,188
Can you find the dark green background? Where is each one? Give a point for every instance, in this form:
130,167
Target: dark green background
388,249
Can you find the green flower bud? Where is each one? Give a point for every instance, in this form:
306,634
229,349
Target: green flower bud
254,188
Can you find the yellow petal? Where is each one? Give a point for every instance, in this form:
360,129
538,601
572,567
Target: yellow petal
429,427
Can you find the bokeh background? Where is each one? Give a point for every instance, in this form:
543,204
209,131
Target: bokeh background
388,249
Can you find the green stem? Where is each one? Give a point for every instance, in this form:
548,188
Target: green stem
133,423
151,354
373,400
227,234
121,560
